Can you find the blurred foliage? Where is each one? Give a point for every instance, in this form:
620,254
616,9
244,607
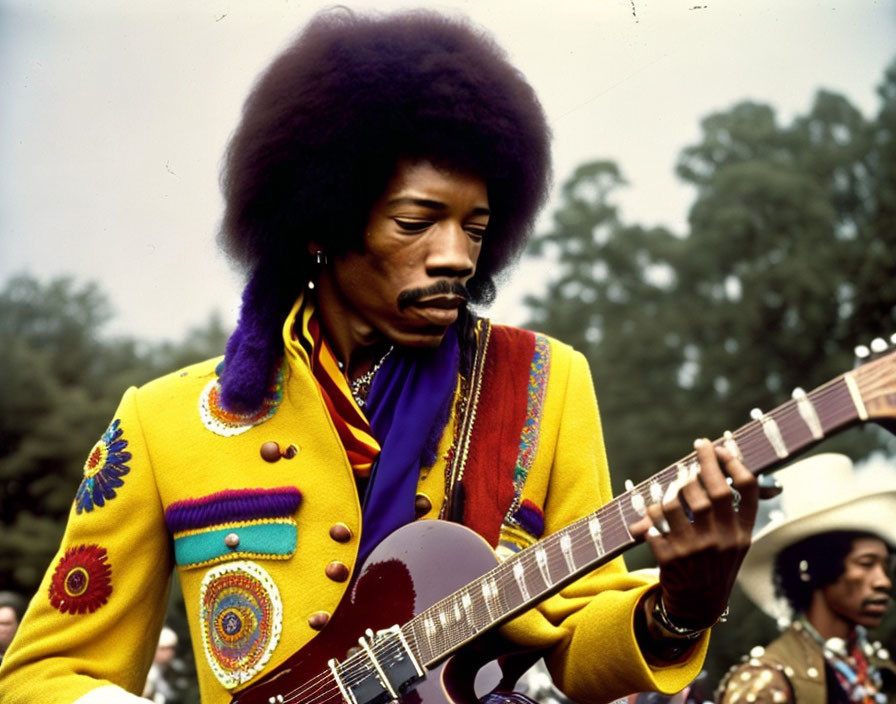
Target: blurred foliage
62,382
788,263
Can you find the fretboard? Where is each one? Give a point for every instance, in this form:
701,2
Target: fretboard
546,567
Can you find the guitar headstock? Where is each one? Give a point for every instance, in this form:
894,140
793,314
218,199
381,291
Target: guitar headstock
875,378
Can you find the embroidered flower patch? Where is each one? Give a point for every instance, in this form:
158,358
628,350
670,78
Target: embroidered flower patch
104,469
240,614
82,581
222,421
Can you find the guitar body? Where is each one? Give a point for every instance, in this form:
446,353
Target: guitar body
410,570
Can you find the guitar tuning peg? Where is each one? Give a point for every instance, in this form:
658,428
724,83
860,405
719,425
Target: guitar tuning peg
862,352
878,345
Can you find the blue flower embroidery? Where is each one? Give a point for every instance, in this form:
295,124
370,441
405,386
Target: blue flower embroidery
103,470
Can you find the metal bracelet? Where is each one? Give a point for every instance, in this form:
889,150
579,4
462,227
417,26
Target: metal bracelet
662,618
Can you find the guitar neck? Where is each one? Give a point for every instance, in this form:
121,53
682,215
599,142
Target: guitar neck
546,567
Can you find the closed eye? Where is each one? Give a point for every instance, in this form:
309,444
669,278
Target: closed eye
412,226
476,233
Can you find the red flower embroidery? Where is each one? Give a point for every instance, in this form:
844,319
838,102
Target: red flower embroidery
82,580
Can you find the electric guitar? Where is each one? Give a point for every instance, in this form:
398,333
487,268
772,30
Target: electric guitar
431,592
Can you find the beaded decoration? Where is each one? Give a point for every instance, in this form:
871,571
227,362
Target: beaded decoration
229,423
521,530
539,372
103,470
240,615
82,581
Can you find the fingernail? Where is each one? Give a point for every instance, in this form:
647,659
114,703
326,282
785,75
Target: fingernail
664,526
653,532
700,442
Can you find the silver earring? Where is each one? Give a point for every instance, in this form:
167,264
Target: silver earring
320,258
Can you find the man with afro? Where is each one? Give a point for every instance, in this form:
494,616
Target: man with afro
385,170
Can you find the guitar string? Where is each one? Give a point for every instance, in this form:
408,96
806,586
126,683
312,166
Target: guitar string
751,440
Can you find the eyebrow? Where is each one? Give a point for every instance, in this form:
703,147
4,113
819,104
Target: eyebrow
432,204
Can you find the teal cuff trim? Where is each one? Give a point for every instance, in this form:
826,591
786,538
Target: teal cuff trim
273,539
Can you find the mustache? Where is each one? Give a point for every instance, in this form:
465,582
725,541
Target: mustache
439,288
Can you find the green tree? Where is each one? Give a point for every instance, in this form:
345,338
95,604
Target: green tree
63,379
788,263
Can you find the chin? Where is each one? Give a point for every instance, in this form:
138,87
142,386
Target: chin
420,339
869,620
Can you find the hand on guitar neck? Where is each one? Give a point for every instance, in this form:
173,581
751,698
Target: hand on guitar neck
699,534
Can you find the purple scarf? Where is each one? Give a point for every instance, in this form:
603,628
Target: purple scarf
408,407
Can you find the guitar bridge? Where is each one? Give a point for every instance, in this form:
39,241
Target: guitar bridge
383,670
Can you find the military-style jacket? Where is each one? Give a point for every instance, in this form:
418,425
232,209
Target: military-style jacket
261,519
791,669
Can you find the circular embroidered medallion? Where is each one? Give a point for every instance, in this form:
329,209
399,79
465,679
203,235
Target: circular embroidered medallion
240,614
228,423
81,582
104,469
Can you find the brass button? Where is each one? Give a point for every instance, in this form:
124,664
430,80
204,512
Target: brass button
340,532
318,620
270,452
422,505
232,540
337,571
290,451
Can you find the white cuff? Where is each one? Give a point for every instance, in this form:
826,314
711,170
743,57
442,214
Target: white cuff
109,694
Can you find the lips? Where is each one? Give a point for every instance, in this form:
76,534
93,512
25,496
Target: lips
439,310
445,302
876,606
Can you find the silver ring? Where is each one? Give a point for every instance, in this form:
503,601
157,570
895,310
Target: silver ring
735,499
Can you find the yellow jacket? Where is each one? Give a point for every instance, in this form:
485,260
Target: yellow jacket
93,625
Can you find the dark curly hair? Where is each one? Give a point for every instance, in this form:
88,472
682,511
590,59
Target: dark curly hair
825,558
321,135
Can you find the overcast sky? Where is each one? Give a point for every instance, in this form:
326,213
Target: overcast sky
114,116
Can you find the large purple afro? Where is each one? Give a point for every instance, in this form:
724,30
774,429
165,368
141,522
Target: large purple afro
320,137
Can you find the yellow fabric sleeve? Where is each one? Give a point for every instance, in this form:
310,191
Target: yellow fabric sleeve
588,626
59,656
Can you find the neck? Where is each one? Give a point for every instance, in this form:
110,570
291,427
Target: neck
827,622
355,343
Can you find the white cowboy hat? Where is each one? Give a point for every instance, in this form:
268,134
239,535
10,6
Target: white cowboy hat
821,493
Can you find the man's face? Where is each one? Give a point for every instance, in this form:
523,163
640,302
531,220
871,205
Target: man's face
8,625
421,246
861,594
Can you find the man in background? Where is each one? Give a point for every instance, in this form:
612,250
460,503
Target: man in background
12,606
823,568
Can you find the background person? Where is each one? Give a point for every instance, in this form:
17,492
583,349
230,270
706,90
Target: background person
158,688
825,566
12,606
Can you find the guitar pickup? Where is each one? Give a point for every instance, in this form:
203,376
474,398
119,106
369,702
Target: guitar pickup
382,671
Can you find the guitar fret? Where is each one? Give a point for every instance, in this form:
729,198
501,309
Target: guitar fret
596,530
856,396
566,548
519,574
541,559
772,432
808,414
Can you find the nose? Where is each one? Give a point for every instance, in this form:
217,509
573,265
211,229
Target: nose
451,252
882,579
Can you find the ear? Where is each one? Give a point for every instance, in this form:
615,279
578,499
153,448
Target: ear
314,248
